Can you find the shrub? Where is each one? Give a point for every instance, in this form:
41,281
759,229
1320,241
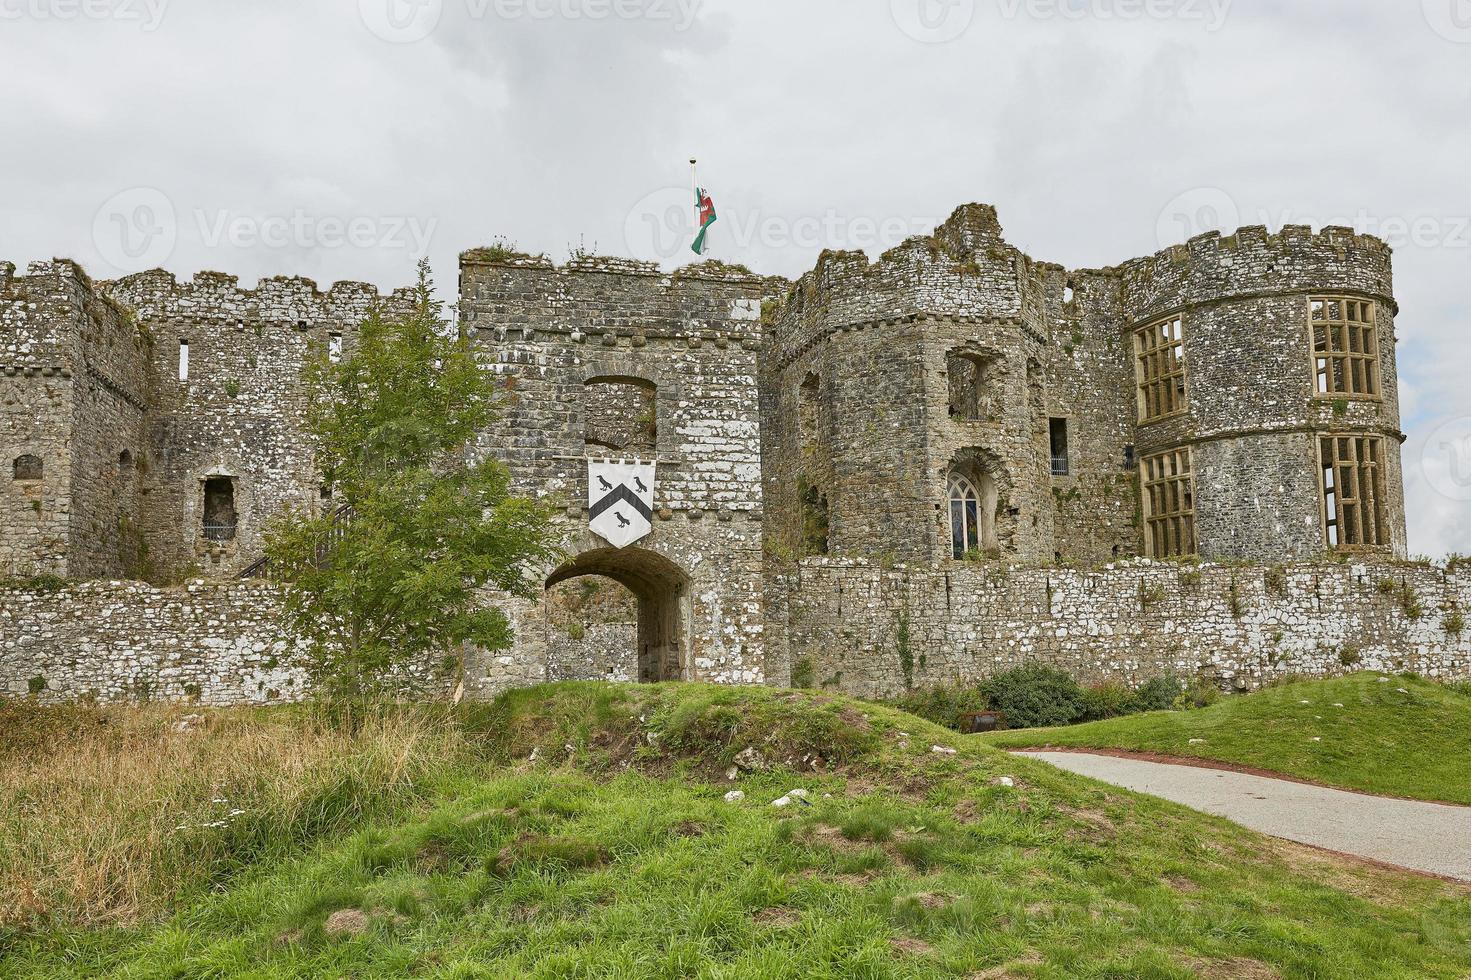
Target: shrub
1035,696
942,704
1198,694
802,672
1157,694
1106,701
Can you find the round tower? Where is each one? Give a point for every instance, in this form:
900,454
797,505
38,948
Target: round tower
1268,420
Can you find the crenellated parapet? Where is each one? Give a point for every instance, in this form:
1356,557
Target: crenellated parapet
1210,268
963,271
216,299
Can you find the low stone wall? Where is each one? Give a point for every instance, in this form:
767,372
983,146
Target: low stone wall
219,644
870,631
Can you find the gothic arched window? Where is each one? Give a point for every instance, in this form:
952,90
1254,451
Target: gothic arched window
965,516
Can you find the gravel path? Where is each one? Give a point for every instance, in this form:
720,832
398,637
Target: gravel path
1430,837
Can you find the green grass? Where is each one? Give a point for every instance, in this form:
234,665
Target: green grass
1374,738
592,840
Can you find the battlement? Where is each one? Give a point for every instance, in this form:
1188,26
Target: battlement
216,297
1252,261
963,270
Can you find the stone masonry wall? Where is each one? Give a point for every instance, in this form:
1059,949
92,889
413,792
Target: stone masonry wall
1253,411
693,336
862,629
241,411
218,644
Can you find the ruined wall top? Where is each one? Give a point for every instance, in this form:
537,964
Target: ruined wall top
1252,261
214,297
611,300
964,270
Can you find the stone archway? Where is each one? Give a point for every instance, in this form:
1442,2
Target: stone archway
662,590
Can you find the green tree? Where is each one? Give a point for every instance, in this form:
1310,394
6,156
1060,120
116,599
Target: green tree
385,589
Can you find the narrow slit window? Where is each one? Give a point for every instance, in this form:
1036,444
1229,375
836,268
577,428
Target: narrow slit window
1354,514
334,347
1061,466
1159,364
1167,488
183,360
1345,347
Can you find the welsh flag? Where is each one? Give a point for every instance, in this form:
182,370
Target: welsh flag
706,205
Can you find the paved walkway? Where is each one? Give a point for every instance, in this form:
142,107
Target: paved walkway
1429,837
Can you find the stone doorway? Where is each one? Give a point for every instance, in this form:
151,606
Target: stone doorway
660,590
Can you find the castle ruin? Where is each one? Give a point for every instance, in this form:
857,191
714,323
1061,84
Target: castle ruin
889,473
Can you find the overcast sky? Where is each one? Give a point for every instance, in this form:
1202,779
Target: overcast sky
342,139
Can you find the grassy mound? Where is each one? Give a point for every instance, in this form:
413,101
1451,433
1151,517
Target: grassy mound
583,830
1398,737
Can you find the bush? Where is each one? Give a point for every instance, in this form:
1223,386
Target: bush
1157,694
1107,701
943,704
1035,697
1198,695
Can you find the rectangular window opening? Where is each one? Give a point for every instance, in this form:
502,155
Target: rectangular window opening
1345,347
1159,364
220,518
334,347
1354,512
183,360
1167,491
1057,429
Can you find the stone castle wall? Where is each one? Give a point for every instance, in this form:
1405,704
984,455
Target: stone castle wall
870,631
219,644
241,412
552,334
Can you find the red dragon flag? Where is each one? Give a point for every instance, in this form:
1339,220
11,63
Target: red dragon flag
706,206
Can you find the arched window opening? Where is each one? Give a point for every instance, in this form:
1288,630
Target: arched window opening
965,517
27,467
621,416
973,506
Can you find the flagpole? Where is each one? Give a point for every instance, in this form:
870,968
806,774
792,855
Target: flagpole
695,194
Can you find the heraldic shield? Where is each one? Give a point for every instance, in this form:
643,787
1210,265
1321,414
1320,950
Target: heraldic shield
620,500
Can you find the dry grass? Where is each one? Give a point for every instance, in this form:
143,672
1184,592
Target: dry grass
111,816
